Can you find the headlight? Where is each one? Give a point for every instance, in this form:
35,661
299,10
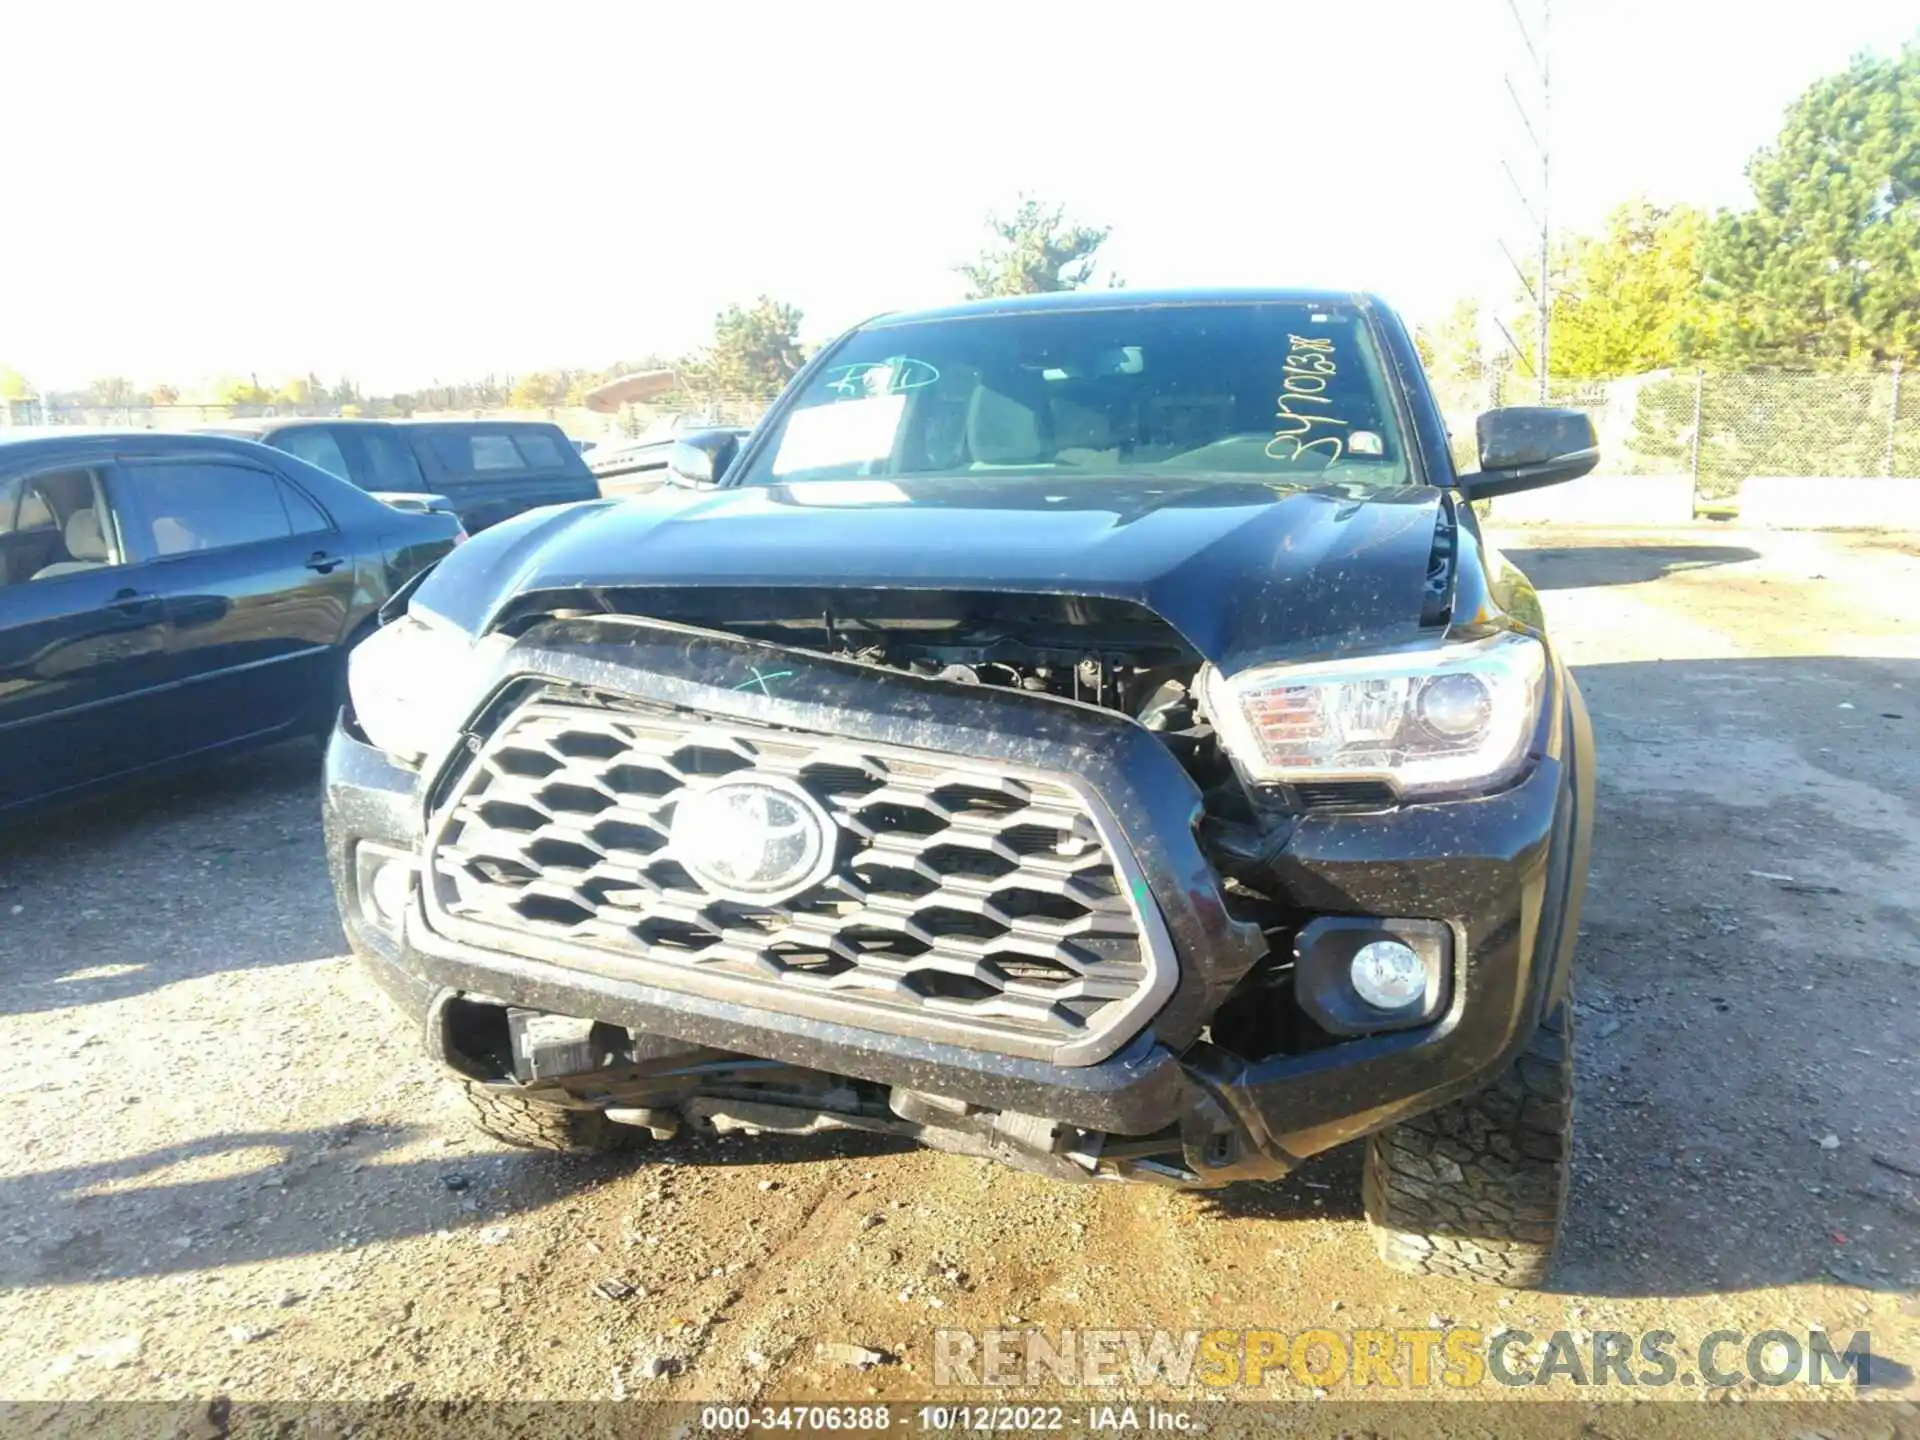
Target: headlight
414,681
1455,718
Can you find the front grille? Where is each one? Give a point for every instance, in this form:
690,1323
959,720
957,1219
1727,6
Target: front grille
970,903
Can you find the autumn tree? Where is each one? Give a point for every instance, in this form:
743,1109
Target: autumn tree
296,394
233,390
755,351
1035,251
110,391
1824,270
164,395
540,390
14,385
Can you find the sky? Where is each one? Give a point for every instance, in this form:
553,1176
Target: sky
411,192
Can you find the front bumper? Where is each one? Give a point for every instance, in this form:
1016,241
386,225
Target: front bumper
1504,872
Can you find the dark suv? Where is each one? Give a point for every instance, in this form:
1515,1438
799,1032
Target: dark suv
488,470
1089,731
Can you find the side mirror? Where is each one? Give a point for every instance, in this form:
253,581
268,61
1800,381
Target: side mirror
1523,447
700,458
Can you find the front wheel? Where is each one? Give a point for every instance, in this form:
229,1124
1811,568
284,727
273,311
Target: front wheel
541,1125
1477,1190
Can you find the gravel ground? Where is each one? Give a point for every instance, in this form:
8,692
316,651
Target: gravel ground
233,1174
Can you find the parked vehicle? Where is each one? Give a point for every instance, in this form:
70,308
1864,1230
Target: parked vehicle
168,597
635,466
1086,730
488,470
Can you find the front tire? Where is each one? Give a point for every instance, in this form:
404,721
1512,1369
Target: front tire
541,1125
1477,1190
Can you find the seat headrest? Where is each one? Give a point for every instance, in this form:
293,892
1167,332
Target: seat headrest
1002,431
85,538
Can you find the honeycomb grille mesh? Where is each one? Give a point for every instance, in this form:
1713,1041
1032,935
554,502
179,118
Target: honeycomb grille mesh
966,903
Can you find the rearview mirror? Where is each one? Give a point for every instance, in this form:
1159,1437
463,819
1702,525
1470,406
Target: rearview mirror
1523,447
701,457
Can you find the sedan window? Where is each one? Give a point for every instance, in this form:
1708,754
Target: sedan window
192,507
53,524
307,518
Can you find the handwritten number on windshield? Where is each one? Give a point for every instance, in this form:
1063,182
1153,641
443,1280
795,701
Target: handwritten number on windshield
1308,369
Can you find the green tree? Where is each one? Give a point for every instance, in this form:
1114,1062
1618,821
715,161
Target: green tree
755,351
1824,270
1450,352
1628,300
1035,251
1450,346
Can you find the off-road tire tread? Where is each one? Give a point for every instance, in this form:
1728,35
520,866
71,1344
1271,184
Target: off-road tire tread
540,1125
1477,1190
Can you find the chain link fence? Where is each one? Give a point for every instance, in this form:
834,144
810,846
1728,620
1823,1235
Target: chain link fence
1720,428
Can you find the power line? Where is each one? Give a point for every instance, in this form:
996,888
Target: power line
1539,214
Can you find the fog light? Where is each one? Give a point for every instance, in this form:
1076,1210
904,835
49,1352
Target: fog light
1357,975
392,881
1388,975
384,879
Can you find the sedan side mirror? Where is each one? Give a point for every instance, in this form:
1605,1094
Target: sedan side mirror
1523,447
700,458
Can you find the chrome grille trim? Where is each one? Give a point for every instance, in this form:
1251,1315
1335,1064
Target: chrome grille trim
973,903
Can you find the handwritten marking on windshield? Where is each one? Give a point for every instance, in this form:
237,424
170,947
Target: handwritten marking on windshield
763,681
881,377
1308,367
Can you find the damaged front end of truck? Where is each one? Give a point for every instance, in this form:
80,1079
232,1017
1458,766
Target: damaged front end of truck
955,850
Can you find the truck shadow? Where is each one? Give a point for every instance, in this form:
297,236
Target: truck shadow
248,1196
1573,567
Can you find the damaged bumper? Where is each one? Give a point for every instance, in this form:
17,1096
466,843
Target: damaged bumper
1161,1097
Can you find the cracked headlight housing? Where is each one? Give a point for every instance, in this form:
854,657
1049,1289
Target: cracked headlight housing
413,682
1449,720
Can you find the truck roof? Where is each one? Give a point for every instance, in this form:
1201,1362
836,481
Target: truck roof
1126,300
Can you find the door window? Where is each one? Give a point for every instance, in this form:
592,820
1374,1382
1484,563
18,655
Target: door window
201,506
316,446
389,460
54,523
306,517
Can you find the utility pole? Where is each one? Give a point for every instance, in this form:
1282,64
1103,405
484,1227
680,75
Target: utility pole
1540,214
1546,191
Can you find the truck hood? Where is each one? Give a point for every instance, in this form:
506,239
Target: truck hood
1245,572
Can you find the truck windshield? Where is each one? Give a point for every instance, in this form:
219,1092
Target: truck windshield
1287,392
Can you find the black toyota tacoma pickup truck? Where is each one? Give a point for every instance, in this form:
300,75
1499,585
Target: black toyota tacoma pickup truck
1084,730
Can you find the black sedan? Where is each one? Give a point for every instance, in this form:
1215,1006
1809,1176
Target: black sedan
169,597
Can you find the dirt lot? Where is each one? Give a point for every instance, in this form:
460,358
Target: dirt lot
230,1172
